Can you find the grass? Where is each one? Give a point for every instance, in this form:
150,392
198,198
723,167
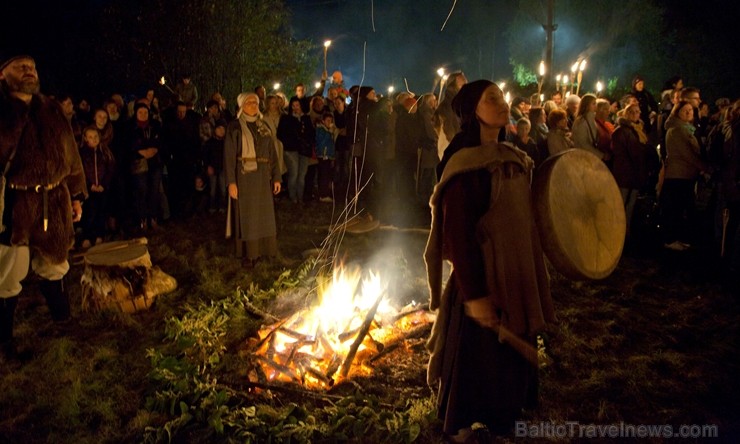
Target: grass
654,343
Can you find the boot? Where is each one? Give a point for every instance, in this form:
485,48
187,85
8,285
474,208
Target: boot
7,314
57,299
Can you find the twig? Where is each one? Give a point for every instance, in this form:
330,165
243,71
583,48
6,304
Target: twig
411,334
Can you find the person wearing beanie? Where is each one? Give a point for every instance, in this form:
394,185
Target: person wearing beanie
648,105
498,293
42,186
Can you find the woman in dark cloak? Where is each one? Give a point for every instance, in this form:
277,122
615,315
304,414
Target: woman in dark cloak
498,292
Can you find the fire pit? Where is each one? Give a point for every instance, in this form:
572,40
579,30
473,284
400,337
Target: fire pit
350,327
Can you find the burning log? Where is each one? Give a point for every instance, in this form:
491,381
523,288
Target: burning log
287,371
360,336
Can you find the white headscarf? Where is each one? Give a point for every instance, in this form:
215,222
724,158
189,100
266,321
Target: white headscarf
249,153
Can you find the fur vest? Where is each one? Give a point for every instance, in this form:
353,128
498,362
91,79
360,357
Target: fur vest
46,155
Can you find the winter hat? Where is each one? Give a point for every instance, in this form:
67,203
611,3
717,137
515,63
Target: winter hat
14,58
466,101
636,80
365,90
140,105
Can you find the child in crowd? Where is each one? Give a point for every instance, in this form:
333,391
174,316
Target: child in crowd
197,204
326,135
98,164
525,143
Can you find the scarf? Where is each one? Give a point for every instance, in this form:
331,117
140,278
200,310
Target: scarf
249,154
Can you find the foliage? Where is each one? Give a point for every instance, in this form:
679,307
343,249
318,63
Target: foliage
617,38
523,76
227,46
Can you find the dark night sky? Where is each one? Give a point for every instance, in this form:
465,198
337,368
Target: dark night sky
397,39
402,38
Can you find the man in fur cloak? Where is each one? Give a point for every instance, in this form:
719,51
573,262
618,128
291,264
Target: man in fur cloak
41,189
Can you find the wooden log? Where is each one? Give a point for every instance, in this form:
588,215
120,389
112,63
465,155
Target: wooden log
360,336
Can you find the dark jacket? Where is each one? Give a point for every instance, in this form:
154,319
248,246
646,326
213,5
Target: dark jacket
297,134
630,157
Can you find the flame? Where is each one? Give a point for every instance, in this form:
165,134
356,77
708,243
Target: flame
162,81
310,346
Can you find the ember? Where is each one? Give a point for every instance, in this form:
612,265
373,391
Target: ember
352,323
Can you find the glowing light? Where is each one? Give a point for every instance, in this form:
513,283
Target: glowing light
542,98
542,68
276,86
583,65
567,94
327,43
565,79
502,85
317,85
558,77
441,72
162,81
599,86
507,97
391,89
574,68
445,77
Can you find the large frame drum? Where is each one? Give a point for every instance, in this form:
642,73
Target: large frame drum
580,214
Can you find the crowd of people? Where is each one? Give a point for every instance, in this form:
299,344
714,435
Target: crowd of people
144,165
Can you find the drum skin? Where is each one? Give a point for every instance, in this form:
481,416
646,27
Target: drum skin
580,214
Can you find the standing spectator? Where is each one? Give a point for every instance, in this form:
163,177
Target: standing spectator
297,134
558,138
429,158
326,134
648,105
341,149
407,148
214,162
273,113
630,167
208,121
585,132
187,92
252,174
68,108
483,223
730,196
524,143
99,167
181,143
222,108
571,108
446,122
43,188
539,130
683,165
102,123
605,128
145,167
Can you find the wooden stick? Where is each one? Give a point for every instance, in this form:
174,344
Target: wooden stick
360,336
520,345
411,334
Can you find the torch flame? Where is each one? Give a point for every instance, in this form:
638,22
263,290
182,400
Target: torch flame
162,81
542,68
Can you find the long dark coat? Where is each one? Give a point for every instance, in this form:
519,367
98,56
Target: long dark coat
255,224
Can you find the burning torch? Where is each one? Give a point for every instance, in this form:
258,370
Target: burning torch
163,82
326,50
581,67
